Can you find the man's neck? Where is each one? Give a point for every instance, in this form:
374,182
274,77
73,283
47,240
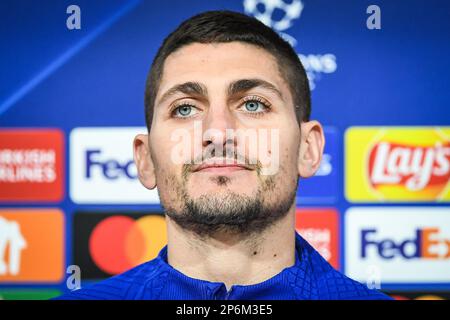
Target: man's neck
233,260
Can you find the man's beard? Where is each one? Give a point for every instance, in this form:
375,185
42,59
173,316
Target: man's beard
229,212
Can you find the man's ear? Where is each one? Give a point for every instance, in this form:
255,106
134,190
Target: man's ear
144,162
311,148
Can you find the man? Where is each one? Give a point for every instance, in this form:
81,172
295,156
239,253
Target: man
227,109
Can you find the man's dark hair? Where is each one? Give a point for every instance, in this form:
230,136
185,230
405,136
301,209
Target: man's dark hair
227,26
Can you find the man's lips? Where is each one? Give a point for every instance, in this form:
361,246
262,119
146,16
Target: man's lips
221,167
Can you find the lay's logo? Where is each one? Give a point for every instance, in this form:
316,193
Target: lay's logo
397,164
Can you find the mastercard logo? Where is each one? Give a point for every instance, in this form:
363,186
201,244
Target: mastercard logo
119,243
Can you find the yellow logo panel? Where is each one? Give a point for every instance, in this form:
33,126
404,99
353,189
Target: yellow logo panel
397,164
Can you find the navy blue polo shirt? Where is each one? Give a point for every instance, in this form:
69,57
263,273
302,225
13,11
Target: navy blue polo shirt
310,278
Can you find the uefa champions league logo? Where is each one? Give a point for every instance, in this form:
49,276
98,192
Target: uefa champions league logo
267,11
263,10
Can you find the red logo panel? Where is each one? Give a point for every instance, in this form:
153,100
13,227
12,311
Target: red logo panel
320,228
31,165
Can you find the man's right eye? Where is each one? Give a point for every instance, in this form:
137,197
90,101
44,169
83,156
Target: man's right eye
184,111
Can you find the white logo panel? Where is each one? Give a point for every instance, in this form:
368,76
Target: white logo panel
404,244
102,169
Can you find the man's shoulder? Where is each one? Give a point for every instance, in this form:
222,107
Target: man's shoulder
125,286
326,283
334,285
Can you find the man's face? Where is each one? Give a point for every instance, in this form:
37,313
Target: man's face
227,86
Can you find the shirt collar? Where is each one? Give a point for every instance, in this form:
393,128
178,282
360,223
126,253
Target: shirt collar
280,285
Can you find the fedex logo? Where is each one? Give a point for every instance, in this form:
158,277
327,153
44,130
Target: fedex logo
102,169
110,168
404,244
427,243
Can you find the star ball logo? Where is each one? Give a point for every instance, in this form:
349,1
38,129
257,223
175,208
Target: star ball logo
280,15
109,243
397,164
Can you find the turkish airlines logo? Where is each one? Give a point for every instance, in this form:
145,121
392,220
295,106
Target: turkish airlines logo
31,165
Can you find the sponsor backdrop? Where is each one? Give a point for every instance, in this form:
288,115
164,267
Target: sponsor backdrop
71,101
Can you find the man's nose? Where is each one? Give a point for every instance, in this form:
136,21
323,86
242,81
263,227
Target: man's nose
215,126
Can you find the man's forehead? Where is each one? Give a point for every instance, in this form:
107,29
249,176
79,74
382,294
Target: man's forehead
219,64
219,49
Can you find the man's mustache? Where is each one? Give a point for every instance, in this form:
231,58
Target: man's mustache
226,157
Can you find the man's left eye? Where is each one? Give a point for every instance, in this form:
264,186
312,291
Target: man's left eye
184,111
254,106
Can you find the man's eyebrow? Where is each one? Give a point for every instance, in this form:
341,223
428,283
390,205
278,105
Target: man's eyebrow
243,85
188,88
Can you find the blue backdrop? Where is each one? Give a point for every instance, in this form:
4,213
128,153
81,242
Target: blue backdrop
53,77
